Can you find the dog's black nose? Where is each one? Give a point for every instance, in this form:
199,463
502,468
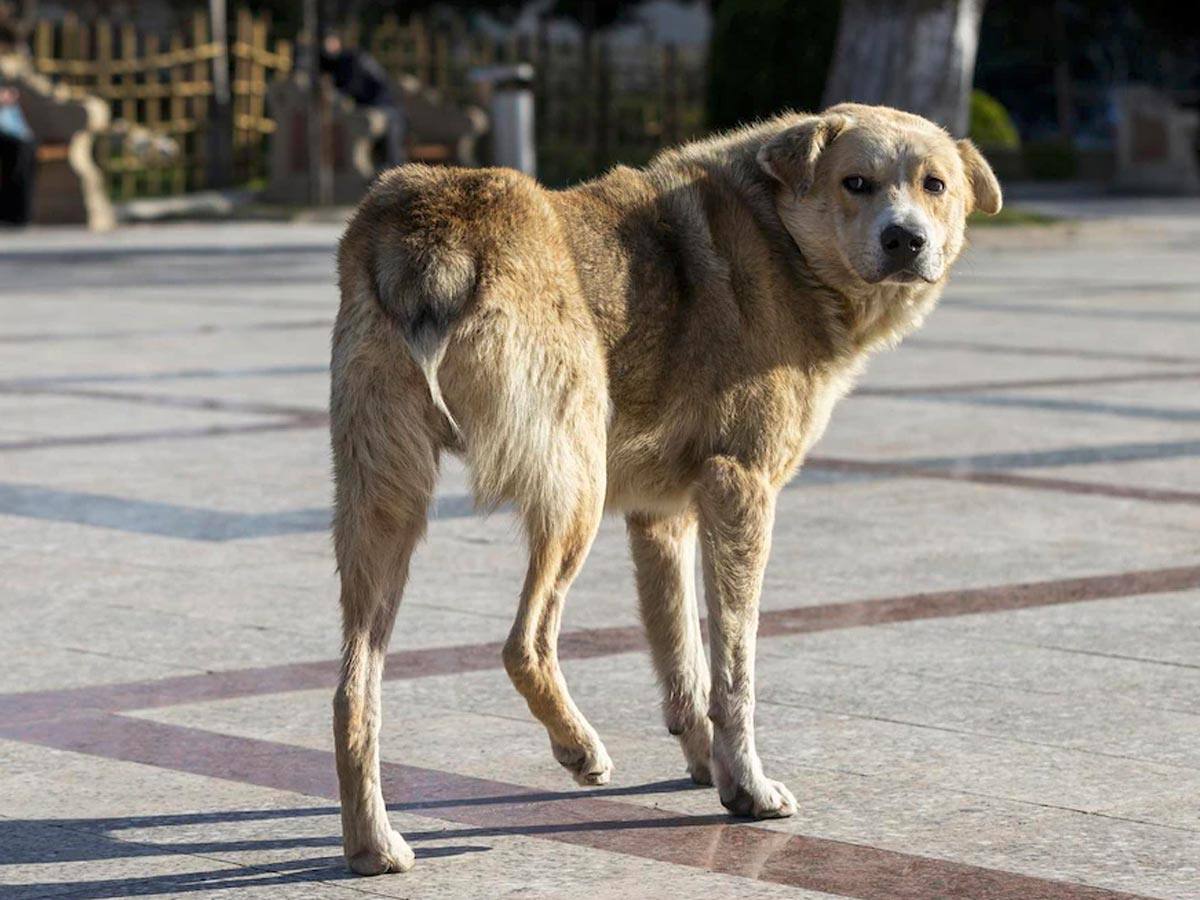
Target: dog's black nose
901,245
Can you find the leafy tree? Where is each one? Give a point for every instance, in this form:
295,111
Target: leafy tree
594,15
767,55
1051,64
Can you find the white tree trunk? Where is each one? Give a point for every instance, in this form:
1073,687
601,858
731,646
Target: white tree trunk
917,55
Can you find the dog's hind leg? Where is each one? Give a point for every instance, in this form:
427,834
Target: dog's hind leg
561,528
664,555
385,478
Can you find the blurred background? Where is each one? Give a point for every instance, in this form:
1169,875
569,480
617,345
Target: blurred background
179,97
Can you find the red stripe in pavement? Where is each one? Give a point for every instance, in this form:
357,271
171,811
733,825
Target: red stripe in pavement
1002,479
216,404
1069,352
1025,384
581,819
144,333
588,644
167,434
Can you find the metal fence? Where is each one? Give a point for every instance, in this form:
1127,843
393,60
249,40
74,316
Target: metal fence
596,104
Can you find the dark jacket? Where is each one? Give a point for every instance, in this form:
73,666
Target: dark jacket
357,75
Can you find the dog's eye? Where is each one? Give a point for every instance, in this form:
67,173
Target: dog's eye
934,185
856,184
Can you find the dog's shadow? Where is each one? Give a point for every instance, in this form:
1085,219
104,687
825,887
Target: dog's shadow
670,786
30,842
119,842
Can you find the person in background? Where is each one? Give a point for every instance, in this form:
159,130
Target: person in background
356,74
18,148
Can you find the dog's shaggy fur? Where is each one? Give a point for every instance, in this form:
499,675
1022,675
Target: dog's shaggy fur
667,342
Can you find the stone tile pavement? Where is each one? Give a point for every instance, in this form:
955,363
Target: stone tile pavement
980,658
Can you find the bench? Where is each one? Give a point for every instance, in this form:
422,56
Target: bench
1156,143
69,188
435,132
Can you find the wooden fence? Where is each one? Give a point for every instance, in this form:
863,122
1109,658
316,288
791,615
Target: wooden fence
160,90
596,104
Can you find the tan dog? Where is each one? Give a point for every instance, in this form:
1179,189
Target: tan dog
667,342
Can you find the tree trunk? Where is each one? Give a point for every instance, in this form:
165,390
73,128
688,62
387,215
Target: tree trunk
917,55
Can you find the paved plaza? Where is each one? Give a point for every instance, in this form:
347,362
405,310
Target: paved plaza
979,664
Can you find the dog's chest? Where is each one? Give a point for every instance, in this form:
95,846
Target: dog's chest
804,406
769,423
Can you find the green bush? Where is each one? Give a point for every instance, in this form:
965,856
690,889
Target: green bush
766,56
1051,160
991,125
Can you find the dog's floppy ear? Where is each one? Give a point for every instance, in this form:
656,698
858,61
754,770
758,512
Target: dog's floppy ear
791,156
984,186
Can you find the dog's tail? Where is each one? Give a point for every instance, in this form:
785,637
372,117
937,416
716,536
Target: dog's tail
424,291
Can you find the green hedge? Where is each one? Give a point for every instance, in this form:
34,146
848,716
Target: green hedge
991,125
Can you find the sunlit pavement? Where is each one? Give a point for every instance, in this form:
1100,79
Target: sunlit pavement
979,665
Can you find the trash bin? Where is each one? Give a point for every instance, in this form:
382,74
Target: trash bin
511,107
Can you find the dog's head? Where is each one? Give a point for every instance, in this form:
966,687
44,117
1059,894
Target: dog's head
875,195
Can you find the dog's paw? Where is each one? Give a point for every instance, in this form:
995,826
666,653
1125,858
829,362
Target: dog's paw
765,799
589,766
701,773
392,854
696,742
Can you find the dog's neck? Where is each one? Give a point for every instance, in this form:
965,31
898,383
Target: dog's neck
868,317
880,316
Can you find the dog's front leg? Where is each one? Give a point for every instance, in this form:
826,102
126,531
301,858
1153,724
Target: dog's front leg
737,510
